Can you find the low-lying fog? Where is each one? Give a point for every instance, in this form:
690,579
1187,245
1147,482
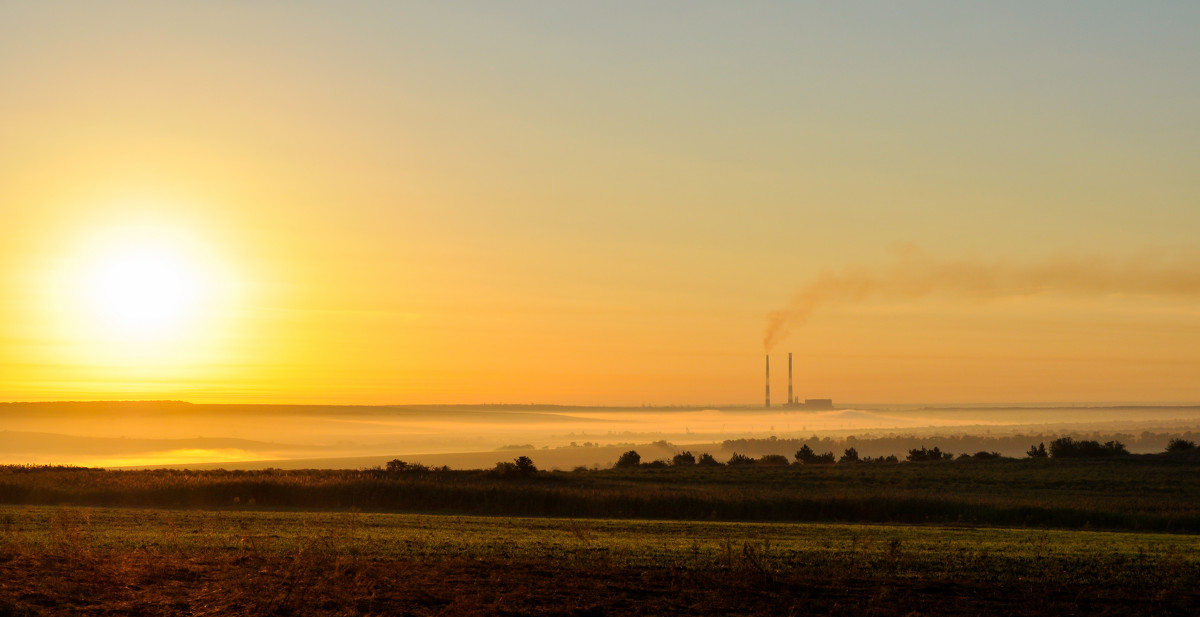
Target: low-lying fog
253,436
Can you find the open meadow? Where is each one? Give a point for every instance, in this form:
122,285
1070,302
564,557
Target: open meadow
1048,537
1131,493
69,560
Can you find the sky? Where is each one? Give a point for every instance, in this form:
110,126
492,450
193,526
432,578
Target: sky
616,203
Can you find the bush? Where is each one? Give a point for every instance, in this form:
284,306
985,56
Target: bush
504,469
707,460
684,459
775,460
740,459
1038,451
398,466
629,459
850,456
1180,445
1065,447
983,456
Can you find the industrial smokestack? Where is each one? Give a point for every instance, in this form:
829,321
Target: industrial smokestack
768,380
790,399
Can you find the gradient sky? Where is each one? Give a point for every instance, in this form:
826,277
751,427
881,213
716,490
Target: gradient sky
604,203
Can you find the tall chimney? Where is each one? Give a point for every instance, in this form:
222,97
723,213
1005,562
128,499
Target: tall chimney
768,380
790,399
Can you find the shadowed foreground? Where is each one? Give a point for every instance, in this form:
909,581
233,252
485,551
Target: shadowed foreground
148,584
68,561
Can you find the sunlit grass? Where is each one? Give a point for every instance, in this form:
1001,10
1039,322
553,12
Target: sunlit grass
866,550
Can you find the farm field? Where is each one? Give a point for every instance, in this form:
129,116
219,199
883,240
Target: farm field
1016,537
1134,493
70,560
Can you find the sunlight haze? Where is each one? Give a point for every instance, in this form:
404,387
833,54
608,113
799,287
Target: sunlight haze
599,203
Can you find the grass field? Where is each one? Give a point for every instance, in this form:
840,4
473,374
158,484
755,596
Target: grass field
1136,493
1012,537
62,560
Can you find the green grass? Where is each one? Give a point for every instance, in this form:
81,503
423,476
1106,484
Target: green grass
150,562
901,551
1131,493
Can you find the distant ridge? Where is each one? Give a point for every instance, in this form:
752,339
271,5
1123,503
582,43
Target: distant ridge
1035,406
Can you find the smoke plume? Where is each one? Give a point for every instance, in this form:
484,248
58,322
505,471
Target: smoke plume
916,274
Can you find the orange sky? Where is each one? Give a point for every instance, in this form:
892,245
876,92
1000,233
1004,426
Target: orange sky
598,204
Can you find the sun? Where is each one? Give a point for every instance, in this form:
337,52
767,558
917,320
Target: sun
139,302
143,291
144,287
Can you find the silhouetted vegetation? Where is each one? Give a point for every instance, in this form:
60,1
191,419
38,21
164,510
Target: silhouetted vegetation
806,456
1144,492
1066,447
707,460
1038,451
850,456
684,458
773,460
917,455
629,459
739,459
398,466
522,467
1012,445
982,455
1181,445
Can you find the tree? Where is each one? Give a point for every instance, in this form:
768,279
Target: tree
684,459
806,455
629,459
917,455
707,460
1038,451
740,459
851,456
1180,445
524,466
1066,447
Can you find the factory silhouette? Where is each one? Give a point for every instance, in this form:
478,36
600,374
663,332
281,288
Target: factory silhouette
792,401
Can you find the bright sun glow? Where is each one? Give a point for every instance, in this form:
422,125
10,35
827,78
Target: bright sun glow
143,291
140,302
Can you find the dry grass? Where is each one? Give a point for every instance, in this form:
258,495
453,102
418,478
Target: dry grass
69,561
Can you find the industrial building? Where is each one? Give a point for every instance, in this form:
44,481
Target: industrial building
792,401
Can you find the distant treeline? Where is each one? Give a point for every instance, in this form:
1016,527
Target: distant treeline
1142,492
1060,448
899,445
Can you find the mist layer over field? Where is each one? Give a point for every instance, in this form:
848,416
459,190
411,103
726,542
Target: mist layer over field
115,434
